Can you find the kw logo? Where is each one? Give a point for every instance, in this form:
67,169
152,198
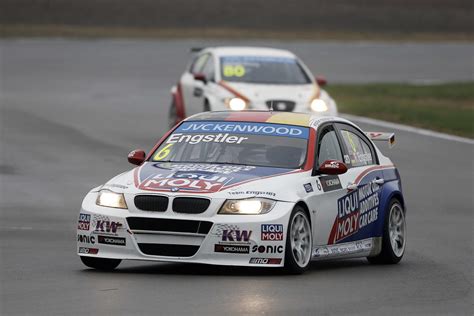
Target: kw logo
236,235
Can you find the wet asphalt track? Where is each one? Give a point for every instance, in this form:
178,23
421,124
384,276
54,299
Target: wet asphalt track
72,110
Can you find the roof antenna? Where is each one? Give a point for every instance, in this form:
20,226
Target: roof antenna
271,106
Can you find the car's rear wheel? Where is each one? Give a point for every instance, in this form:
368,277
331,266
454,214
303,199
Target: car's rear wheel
394,236
299,242
100,263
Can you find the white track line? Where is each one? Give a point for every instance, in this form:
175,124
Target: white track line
407,128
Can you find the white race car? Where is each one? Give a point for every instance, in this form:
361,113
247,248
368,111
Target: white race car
242,78
250,188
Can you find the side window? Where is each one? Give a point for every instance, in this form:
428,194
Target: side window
358,150
208,69
199,63
328,147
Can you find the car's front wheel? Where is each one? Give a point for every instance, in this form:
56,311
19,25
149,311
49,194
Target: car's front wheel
299,242
172,115
394,236
100,263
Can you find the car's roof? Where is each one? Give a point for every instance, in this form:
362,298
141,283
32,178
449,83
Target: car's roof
290,118
248,51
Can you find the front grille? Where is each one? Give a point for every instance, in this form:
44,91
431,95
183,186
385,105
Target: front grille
153,203
168,250
281,105
190,205
169,225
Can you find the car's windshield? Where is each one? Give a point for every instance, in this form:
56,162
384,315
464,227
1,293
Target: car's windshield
241,143
264,70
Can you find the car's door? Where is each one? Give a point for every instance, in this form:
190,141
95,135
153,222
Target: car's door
192,88
328,188
356,211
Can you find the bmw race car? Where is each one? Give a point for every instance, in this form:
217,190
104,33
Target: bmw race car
250,188
242,78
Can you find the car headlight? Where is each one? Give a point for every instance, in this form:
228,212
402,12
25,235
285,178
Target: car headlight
252,206
318,105
236,104
111,199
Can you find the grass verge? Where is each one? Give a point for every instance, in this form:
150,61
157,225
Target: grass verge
446,108
71,31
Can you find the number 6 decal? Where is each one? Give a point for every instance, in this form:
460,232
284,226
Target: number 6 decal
318,185
163,153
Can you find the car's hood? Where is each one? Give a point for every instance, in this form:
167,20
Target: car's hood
216,180
262,92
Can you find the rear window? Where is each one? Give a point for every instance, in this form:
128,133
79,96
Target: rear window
240,143
261,69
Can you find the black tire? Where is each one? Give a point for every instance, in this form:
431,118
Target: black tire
291,264
207,106
172,115
387,254
100,263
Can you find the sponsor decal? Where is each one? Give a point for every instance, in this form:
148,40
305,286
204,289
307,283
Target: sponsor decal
208,168
84,222
330,183
200,178
253,193
107,226
268,248
113,185
231,248
192,180
265,260
249,128
308,187
107,240
272,232
236,235
332,165
90,251
202,138
355,210
86,239
343,249
103,224
218,229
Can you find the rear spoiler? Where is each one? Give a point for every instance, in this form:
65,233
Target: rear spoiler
379,136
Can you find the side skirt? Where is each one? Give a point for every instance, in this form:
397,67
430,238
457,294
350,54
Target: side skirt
361,248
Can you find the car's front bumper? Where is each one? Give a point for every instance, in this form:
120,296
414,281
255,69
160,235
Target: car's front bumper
236,240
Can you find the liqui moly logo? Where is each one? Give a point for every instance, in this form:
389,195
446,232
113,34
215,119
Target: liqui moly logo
185,181
347,216
272,232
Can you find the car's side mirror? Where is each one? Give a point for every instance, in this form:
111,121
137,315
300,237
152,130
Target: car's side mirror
321,81
136,157
200,77
332,167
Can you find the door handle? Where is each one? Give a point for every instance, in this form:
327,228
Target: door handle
379,181
351,186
